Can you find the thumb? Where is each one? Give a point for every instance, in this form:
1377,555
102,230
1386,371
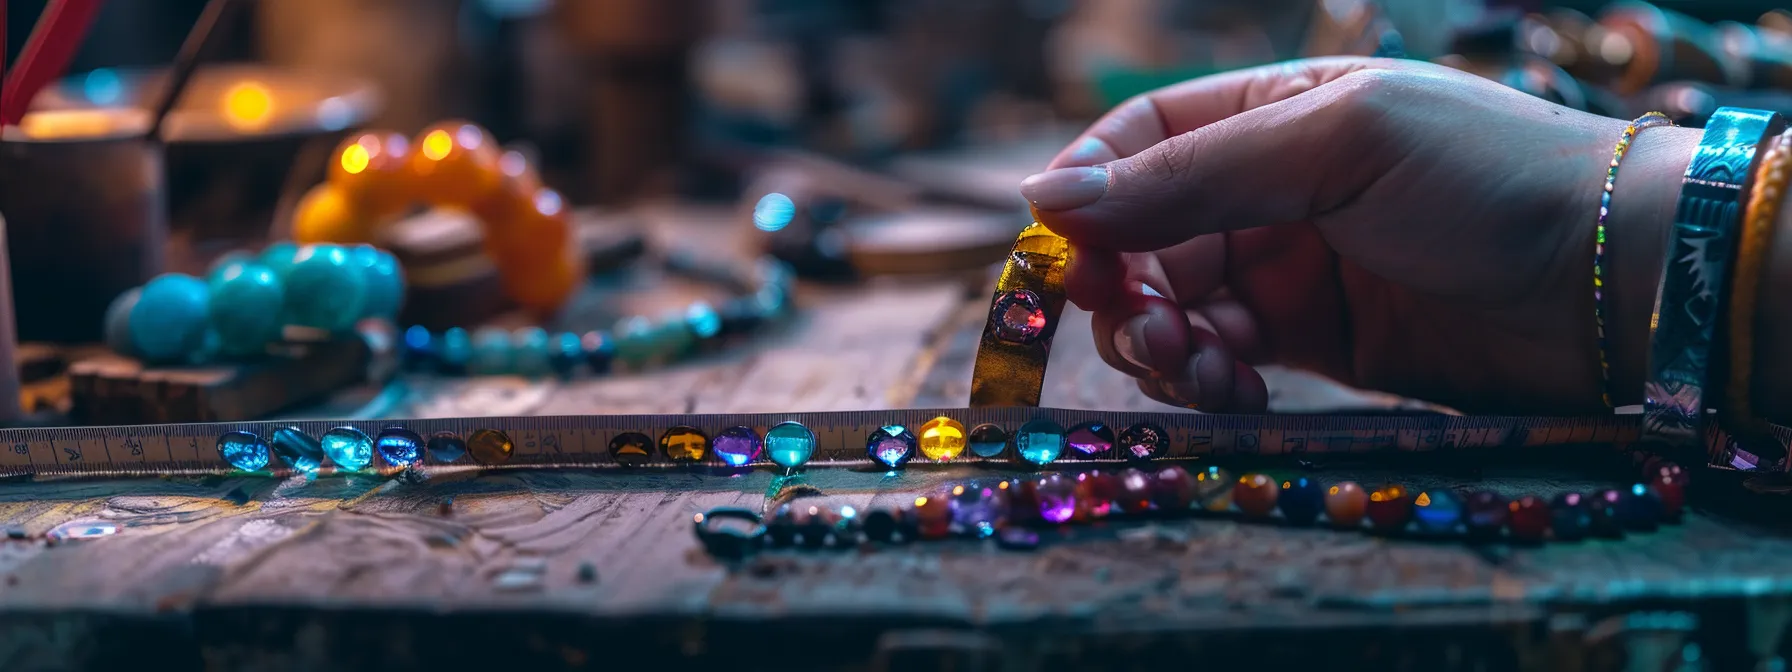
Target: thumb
1282,162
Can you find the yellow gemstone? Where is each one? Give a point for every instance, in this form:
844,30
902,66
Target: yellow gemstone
684,444
942,439
490,446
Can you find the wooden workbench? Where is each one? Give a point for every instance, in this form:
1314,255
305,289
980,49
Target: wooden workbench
582,570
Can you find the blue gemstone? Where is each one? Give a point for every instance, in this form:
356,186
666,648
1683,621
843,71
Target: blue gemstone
1640,508
297,449
703,320
737,445
890,446
600,351
1301,500
419,349
384,279
447,447
565,354
244,451
168,322
988,441
531,352
324,289
1437,510
348,447
399,447
491,352
790,444
1040,441
454,351
118,322
245,311
279,257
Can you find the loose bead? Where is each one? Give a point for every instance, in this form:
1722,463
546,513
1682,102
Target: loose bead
988,441
246,301
1301,500
168,321
1255,495
297,449
1040,441
1057,498
781,529
323,289
1602,513
879,525
1486,514
1023,501
448,447
1143,441
1639,509
1437,511
490,447
1389,508
1172,489
629,449
737,446
1570,519
1345,504
1135,491
245,451
942,439
1213,489
977,508
933,517
1091,440
1529,519
1095,495
684,444
348,447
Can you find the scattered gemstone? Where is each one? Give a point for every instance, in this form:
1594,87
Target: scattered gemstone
1529,519
1040,441
244,451
737,446
891,446
942,439
790,444
1389,508
1213,489
1437,511
977,508
1143,441
1095,495
1570,519
348,447
1640,508
1301,500
1057,498
1602,513
1255,495
490,447
297,449
684,444
399,447
1172,489
933,516
1345,504
1018,317
1135,491
1485,513
631,449
1091,439
988,441
446,447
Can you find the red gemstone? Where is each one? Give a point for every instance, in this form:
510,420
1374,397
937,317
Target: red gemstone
1023,501
1389,508
1135,491
1671,489
1172,489
1095,494
1018,317
933,516
1528,519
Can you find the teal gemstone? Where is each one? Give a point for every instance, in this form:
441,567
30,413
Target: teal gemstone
492,354
455,351
324,290
703,321
1040,441
279,257
168,322
672,338
634,340
348,447
245,451
246,302
231,259
385,282
297,449
118,322
531,351
790,444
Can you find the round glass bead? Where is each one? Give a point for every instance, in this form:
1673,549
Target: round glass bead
988,441
492,353
245,451
229,260
736,446
933,516
246,300
942,439
789,444
279,257
631,449
419,348
297,449
1255,495
1389,508
1143,441
1135,491
1301,500
684,444
324,289
815,525
1639,509
1569,517
1345,504
118,322
348,447
1057,498
1528,520
600,351
1213,489
384,280
1485,513
565,354
1602,513
1023,501
880,525
446,447
1018,317
490,447
168,321
530,351
1096,494
454,351
1437,511
1040,441
976,509
1172,489
1091,439
890,446
398,446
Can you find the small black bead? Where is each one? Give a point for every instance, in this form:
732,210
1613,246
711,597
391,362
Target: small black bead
1602,514
781,529
880,525
740,316
1639,509
1569,518
565,353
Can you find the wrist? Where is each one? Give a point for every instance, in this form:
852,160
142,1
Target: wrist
1642,213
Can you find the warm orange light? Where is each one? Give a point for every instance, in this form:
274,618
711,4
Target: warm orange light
957,490
248,105
920,502
1423,500
1333,491
354,159
437,144
69,124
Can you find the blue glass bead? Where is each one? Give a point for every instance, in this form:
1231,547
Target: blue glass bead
1040,441
790,444
324,289
1301,500
1437,511
348,447
231,259
530,353
118,322
384,279
279,257
634,340
454,351
1569,517
988,441
399,447
736,446
491,352
703,321
297,449
168,322
565,353
419,349
245,310
446,447
600,351
1640,508
244,451
891,446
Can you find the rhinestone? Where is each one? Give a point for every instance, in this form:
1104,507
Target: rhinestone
399,447
891,446
243,450
1018,317
737,445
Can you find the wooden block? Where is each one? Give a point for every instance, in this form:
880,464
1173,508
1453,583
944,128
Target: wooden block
111,390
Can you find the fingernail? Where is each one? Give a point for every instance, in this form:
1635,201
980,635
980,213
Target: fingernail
1187,390
1091,150
1130,344
1066,188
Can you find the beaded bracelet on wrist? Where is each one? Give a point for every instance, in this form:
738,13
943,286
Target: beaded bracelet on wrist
1649,120
1766,199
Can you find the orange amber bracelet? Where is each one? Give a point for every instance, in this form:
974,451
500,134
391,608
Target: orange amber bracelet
1770,181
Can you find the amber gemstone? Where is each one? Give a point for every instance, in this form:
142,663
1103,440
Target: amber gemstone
546,285
370,169
490,446
454,163
1528,519
1135,491
325,215
1172,489
1389,508
684,444
933,516
631,449
525,228
1256,494
1345,504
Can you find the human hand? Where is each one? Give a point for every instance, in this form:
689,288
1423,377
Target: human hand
1395,225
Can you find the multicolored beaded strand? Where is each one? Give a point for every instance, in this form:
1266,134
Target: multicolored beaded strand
1649,120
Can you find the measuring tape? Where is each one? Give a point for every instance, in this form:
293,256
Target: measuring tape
840,438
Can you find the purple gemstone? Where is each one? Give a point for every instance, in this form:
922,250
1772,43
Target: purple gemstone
1057,498
1091,439
1143,441
977,509
737,445
891,446
1018,317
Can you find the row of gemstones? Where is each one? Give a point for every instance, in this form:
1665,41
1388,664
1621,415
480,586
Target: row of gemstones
1008,508
787,444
